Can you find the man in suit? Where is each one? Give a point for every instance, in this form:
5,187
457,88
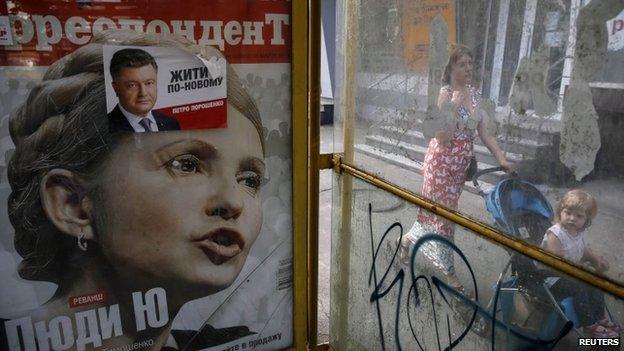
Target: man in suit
134,73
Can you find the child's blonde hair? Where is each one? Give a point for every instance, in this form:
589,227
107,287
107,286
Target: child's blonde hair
578,200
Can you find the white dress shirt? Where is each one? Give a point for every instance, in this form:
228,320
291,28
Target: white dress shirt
134,120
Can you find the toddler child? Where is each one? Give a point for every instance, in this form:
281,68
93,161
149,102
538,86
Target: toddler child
566,238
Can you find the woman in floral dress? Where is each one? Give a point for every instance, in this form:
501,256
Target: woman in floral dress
450,151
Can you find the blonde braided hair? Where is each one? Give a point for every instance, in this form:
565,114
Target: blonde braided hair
63,124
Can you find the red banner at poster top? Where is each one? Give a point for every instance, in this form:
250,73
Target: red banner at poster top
245,31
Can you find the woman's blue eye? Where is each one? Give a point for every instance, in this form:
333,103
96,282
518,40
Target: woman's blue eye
184,164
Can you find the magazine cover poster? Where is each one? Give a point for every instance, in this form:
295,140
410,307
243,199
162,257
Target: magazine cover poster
145,176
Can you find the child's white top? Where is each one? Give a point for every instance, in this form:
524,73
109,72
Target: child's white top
572,246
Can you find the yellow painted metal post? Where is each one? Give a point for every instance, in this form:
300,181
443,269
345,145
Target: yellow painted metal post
300,171
340,294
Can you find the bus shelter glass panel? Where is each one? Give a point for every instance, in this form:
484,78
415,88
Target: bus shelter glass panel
390,291
443,89
146,175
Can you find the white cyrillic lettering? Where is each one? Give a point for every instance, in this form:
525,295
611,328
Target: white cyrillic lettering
87,320
41,27
77,25
253,29
154,298
103,23
58,325
277,19
27,337
132,24
186,29
27,29
233,32
216,39
110,322
158,26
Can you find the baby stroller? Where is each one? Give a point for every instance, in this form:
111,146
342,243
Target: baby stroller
523,301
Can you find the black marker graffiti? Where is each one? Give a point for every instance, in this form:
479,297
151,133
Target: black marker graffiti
444,290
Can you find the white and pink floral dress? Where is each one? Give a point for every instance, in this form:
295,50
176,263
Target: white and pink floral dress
444,176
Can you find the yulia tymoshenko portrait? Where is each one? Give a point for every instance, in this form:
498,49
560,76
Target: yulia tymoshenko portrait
140,217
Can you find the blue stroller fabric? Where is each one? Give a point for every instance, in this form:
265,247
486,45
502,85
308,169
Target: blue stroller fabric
517,205
512,198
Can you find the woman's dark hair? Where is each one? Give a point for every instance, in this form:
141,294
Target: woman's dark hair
63,125
456,54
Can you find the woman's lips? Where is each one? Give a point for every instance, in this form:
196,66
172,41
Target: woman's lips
221,245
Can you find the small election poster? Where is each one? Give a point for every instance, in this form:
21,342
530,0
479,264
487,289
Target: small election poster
121,234
167,88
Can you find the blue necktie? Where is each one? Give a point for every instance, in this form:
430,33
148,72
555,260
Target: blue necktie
145,123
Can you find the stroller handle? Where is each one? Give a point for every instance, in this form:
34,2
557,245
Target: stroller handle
475,178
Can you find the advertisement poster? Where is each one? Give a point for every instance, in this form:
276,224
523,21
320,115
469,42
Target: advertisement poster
145,175
416,22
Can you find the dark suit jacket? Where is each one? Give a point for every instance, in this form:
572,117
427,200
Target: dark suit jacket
117,122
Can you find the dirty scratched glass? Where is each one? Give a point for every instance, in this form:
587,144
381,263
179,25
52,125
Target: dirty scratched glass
388,293
534,86
531,86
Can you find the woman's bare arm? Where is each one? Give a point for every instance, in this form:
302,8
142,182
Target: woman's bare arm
492,145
